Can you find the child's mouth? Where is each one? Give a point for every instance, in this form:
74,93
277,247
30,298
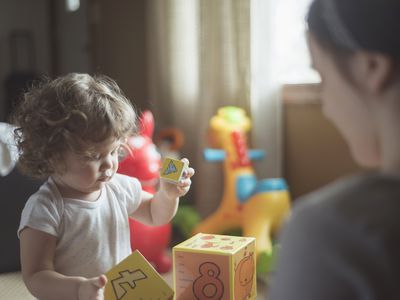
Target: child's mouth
106,176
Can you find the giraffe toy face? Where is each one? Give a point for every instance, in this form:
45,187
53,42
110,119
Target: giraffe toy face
228,131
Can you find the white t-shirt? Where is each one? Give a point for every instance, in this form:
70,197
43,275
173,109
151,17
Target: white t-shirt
92,237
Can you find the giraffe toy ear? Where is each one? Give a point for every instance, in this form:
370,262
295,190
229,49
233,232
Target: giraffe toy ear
146,124
247,124
216,123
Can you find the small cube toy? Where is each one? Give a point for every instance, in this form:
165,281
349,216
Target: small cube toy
135,278
215,267
172,170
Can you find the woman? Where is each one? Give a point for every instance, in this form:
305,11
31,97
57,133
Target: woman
343,242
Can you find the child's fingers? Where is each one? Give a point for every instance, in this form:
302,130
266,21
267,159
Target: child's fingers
103,280
183,190
189,172
185,182
185,161
100,281
92,288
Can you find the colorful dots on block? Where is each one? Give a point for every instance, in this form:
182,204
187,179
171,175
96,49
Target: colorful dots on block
215,267
172,170
135,278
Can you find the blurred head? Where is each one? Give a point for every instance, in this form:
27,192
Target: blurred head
355,46
73,114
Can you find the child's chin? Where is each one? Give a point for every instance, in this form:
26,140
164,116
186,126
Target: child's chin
97,186
100,184
104,179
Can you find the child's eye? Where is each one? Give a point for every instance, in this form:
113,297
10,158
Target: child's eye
92,157
122,153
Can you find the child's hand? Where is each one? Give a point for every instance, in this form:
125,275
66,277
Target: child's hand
173,191
92,288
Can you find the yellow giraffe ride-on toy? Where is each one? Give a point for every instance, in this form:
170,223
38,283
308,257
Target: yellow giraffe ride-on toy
258,207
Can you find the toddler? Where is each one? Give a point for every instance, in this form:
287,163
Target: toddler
71,131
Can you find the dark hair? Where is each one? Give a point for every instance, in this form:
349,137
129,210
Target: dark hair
73,112
346,26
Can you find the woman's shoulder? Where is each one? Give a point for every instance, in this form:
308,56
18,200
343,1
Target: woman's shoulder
365,203
354,195
345,235
349,228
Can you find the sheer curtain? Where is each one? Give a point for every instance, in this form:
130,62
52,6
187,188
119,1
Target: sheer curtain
204,54
279,56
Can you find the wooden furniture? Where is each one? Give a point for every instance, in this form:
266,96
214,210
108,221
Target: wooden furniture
314,152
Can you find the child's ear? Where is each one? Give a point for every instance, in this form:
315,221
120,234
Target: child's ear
377,70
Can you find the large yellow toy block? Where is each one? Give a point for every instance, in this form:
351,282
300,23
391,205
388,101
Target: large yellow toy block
135,278
215,267
172,170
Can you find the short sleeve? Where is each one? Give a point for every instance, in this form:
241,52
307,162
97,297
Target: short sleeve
131,190
40,213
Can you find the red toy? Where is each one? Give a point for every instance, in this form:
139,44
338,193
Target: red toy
144,163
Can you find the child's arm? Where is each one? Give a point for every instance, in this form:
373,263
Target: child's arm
160,208
37,255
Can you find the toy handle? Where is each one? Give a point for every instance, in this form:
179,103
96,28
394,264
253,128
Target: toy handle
219,155
214,154
256,154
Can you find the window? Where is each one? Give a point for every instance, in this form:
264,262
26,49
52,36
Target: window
291,48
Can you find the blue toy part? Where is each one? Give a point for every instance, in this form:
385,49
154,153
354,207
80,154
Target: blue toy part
256,154
210,154
247,186
270,185
214,154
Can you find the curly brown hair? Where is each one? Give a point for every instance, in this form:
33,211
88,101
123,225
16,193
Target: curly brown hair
74,112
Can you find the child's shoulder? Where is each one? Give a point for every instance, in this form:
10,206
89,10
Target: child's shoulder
47,198
123,179
47,192
120,182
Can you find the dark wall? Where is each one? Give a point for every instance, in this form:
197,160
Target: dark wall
15,189
119,45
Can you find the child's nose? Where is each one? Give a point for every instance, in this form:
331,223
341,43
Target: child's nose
108,162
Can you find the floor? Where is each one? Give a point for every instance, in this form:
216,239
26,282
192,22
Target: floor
13,288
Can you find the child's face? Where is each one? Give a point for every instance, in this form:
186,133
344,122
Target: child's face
85,176
347,107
